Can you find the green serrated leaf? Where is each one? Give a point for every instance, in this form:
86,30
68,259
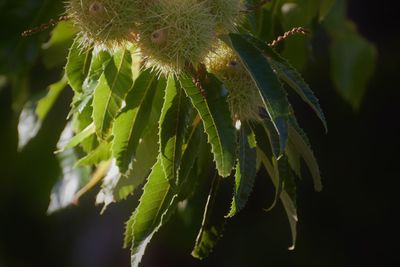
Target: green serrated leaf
117,187
115,82
288,197
100,153
289,75
245,172
156,205
173,125
77,65
291,212
130,124
270,88
293,158
212,225
196,148
301,143
79,138
214,112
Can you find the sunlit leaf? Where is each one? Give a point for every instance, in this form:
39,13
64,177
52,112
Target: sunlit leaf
100,153
77,65
153,210
80,137
214,112
130,124
115,82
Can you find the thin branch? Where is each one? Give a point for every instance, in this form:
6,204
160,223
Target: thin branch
44,26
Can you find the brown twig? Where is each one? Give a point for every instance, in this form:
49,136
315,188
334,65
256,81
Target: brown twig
297,30
44,26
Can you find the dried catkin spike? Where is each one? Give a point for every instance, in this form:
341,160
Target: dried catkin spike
244,100
174,33
103,22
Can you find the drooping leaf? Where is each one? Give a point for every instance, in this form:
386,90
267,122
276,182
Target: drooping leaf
80,121
245,172
130,124
271,165
301,143
156,205
100,153
115,82
77,65
99,61
28,124
80,137
296,82
195,150
35,112
288,197
291,212
173,124
212,225
72,179
46,103
270,88
116,186
290,76
294,158
214,112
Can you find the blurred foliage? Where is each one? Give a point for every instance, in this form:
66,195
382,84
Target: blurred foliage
34,94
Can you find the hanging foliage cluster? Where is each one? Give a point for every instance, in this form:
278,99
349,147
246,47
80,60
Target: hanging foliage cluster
171,94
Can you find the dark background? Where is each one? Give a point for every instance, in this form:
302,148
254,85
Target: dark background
353,222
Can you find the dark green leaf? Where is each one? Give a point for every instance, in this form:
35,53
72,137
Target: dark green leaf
245,172
196,150
291,76
300,141
173,124
130,124
270,88
212,225
288,197
214,112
